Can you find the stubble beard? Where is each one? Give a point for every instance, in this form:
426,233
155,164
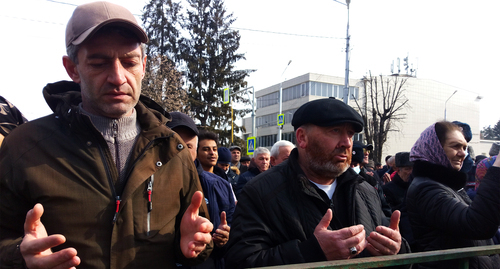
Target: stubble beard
322,162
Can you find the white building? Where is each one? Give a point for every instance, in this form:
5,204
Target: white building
426,105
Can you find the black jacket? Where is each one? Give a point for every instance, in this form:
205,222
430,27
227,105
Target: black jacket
278,211
443,217
395,192
244,178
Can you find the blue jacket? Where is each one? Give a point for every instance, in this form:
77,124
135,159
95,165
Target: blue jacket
218,197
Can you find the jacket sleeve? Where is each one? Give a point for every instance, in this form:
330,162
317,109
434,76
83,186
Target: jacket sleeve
256,241
13,209
195,185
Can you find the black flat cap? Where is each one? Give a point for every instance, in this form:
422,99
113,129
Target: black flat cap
181,119
403,159
327,112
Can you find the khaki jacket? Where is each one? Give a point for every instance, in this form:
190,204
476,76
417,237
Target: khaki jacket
62,162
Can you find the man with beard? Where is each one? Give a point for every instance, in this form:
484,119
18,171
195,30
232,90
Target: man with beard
313,207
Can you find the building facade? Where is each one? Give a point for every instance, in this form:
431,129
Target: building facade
427,102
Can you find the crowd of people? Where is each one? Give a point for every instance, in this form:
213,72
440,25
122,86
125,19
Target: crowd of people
112,180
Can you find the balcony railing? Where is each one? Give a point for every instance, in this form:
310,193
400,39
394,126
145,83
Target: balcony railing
461,254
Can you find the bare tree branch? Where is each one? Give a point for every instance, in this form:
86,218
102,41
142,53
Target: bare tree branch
382,108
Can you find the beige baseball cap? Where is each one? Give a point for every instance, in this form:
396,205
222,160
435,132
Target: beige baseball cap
87,19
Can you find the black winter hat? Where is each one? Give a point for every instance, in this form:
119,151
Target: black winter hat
224,155
403,159
357,153
327,112
181,119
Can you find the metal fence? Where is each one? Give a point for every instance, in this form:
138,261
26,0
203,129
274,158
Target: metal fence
461,254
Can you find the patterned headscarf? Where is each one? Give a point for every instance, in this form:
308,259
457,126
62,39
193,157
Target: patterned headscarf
482,167
429,149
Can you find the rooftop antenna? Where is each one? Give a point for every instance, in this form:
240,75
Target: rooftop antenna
406,63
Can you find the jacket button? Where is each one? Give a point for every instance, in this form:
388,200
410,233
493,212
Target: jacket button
180,146
89,143
158,163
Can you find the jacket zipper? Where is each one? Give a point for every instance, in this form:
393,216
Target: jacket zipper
150,202
111,185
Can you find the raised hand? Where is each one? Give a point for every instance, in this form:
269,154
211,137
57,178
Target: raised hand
386,240
387,178
195,230
221,235
36,245
336,244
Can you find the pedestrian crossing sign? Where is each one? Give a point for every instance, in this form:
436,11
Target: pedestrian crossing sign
250,145
281,119
226,96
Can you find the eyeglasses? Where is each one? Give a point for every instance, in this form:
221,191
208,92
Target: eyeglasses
366,151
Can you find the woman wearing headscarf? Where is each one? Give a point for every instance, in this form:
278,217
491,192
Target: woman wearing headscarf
441,214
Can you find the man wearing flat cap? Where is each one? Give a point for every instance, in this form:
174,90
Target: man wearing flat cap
312,207
102,182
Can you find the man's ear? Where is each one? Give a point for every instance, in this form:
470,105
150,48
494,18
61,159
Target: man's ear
273,160
71,69
301,135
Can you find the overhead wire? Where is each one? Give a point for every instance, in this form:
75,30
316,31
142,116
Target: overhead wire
236,28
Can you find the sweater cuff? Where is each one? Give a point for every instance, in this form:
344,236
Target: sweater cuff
311,250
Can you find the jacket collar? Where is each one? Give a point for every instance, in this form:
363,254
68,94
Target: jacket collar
63,98
444,175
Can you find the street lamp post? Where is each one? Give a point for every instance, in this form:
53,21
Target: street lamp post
253,108
348,37
447,102
281,99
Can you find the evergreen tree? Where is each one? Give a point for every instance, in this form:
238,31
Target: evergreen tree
491,133
163,82
209,54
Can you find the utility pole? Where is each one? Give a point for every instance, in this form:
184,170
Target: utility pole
348,37
253,110
281,100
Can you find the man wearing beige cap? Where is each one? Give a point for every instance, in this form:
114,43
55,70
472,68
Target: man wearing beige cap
102,182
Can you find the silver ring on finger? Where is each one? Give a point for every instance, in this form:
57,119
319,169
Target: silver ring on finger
353,250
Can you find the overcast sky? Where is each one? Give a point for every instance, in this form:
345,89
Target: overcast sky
453,42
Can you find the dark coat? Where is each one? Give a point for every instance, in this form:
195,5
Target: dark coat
244,178
395,192
378,186
443,217
278,211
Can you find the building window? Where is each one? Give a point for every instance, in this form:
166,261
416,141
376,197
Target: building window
289,137
268,100
266,140
330,90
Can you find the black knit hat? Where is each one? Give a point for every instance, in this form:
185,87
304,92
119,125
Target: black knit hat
357,153
327,112
224,155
